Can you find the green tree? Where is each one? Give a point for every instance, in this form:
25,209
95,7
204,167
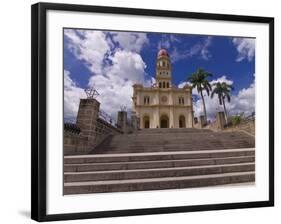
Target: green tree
199,81
223,91
236,119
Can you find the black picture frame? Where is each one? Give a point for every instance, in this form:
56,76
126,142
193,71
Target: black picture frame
39,107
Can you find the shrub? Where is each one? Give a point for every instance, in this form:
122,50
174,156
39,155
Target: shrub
236,119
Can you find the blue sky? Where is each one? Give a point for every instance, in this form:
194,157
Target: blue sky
113,61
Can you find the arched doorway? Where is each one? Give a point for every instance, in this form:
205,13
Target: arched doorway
164,121
182,121
146,122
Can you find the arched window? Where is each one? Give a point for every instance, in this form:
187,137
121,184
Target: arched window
164,64
164,85
181,100
160,84
168,86
146,100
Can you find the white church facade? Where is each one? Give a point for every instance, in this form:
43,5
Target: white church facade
163,105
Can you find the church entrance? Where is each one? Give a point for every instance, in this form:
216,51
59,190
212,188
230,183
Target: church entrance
164,121
182,121
146,122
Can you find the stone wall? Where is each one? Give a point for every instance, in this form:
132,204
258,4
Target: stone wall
122,121
103,130
87,119
245,125
199,122
126,125
220,121
89,130
135,122
74,143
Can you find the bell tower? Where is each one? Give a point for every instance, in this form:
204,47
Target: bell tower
163,70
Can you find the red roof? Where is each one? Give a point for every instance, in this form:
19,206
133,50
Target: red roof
162,52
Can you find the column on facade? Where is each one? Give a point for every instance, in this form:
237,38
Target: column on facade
171,117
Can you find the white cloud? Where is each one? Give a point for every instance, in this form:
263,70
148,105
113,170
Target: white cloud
89,46
177,55
130,41
115,87
127,65
222,79
244,101
204,52
200,49
182,84
245,48
115,69
72,96
175,38
165,42
195,92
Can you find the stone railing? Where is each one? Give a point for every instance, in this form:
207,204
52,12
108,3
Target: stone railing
104,129
246,125
92,127
76,143
73,142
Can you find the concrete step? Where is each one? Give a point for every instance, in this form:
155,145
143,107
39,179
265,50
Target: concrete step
180,138
174,140
144,149
179,132
157,183
156,159
155,164
150,156
156,173
173,130
172,143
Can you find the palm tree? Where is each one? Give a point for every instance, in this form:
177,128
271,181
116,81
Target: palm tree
199,80
223,90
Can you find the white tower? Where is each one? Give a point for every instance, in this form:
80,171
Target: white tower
163,70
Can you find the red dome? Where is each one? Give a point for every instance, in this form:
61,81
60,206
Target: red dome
162,52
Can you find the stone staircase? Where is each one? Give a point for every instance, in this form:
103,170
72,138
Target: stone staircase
163,140
157,159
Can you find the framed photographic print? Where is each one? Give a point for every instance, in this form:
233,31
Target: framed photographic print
139,111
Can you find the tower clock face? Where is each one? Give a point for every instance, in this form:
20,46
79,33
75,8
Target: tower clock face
164,99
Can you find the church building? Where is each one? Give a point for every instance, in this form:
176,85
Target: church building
163,105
